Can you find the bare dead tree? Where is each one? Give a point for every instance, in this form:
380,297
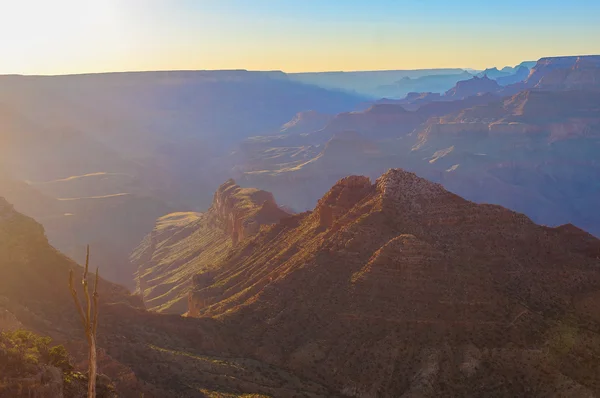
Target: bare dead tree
89,320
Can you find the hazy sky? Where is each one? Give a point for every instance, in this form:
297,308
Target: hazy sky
76,36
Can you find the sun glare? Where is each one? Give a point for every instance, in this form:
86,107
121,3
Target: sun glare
33,31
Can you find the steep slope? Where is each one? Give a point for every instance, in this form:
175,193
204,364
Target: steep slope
400,288
183,244
148,354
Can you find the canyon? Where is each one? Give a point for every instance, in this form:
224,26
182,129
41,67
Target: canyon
293,235
471,296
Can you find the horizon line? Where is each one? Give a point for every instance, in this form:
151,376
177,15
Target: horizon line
466,69
229,70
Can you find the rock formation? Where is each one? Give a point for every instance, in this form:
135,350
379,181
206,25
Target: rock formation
400,288
474,86
183,244
566,73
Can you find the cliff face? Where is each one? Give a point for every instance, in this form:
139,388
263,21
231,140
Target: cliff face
566,73
183,244
240,211
400,287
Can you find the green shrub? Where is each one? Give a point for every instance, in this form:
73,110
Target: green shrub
22,352
59,357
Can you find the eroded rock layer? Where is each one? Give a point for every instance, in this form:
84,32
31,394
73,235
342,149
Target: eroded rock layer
183,244
401,288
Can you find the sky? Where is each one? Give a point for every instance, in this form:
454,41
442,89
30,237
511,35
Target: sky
87,36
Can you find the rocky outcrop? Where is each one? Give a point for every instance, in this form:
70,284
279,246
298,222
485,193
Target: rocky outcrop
184,244
240,211
399,287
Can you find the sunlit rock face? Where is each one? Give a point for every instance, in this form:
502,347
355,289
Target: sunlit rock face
399,286
183,244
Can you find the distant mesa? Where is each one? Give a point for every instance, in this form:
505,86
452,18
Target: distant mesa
566,73
474,86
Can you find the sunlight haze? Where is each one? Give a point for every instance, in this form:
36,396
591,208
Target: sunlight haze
299,198
293,36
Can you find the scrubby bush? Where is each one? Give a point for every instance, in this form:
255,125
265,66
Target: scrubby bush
23,352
